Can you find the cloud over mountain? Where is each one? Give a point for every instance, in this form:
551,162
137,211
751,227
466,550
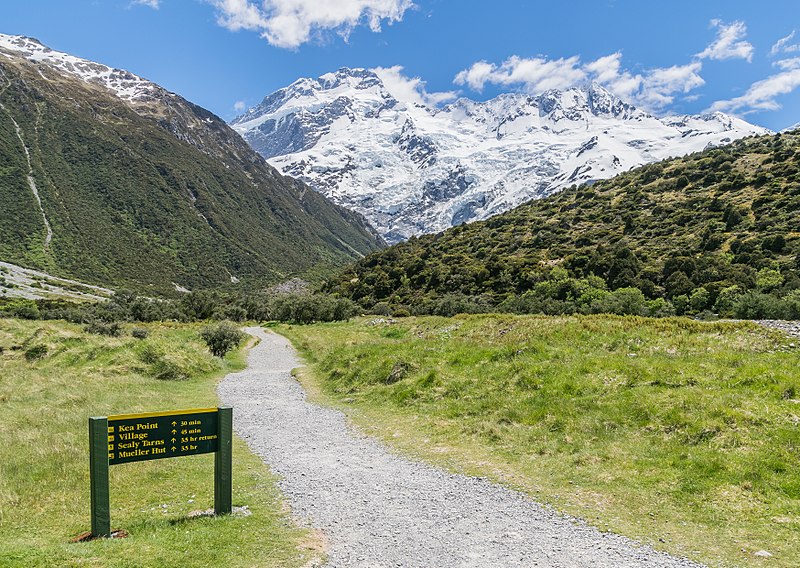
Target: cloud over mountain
291,23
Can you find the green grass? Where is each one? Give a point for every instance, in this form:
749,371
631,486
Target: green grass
44,479
681,434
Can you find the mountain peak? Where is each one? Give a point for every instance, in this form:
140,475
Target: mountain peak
357,77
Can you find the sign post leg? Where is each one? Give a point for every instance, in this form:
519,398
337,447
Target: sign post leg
98,476
223,462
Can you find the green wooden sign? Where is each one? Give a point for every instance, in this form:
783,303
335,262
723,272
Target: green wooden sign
155,435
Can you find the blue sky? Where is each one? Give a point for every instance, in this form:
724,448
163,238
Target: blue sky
738,56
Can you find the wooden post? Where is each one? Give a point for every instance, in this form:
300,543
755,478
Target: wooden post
223,459
99,438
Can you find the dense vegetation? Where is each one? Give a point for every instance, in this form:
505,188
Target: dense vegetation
716,231
54,376
682,434
154,194
272,304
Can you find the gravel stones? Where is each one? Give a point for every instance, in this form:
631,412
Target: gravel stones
789,327
378,509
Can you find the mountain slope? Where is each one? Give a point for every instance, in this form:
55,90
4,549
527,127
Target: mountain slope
110,179
683,229
413,169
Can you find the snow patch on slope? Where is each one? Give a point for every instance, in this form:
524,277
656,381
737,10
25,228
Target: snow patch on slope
124,84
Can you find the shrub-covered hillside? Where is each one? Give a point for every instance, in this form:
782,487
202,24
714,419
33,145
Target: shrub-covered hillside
151,193
718,230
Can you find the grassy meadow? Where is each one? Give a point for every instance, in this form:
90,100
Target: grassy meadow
681,434
53,376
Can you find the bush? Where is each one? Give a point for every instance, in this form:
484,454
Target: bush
222,337
233,313
624,301
699,299
111,329
726,301
792,304
165,370
755,305
381,309
660,308
36,352
23,309
309,308
149,354
139,333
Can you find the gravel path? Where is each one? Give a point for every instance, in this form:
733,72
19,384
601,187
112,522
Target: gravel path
378,510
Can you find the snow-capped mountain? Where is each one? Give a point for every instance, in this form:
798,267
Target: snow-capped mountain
123,83
411,169
185,120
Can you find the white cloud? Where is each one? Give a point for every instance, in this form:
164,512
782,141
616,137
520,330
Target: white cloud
762,94
239,106
783,45
476,76
291,23
154,4
729,43
535,74
653,89
675,79
788,64
410,90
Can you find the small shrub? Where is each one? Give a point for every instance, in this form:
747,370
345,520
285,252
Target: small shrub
23,309
381,309
660,308
755,305
110,329
399,371
165,370
221,337
139,333
36,352
149,354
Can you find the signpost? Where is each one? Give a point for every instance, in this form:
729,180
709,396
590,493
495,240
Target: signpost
128,438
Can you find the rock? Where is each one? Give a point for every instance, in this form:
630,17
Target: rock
762,553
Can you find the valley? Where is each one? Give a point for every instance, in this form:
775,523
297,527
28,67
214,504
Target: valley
538,308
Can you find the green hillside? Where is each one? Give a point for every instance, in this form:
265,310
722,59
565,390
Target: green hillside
716,230
149,194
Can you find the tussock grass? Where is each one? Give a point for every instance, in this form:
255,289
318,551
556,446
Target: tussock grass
44,478
681,434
